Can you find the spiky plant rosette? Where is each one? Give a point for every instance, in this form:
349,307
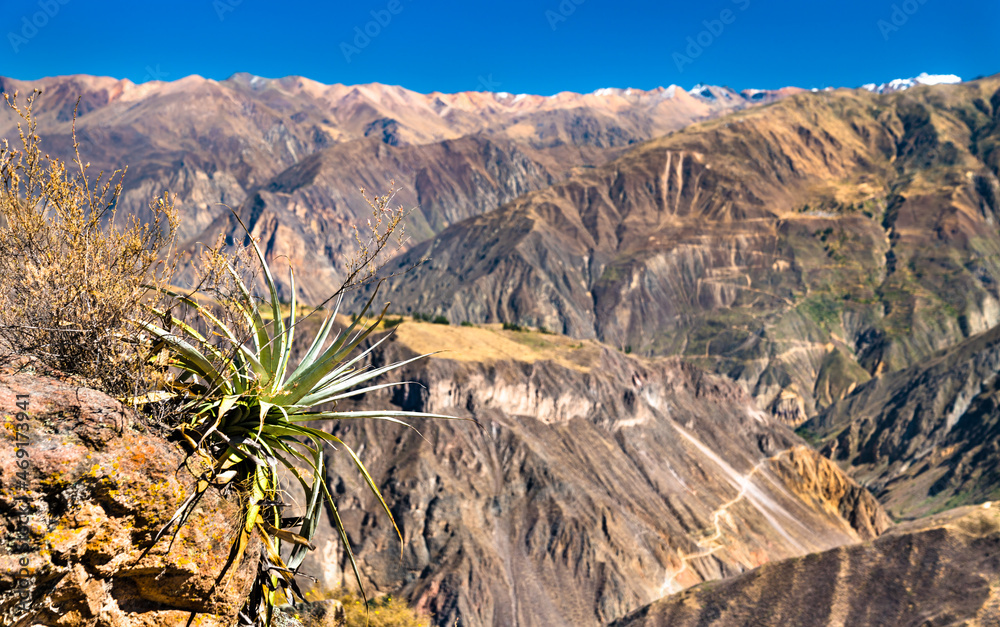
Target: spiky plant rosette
247,419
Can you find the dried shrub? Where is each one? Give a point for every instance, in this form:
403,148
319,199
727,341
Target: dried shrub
384,611
74,274
373,252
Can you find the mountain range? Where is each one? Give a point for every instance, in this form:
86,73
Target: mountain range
227,141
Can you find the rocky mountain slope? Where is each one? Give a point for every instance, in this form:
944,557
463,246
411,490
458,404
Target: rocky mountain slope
924,438
306,215
800,247
938,571
597,483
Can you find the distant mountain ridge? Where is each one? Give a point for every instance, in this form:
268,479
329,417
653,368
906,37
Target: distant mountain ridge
213,142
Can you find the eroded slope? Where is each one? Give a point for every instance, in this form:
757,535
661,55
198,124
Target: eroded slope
925,438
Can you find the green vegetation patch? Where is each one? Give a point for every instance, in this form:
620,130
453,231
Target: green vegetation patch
824,309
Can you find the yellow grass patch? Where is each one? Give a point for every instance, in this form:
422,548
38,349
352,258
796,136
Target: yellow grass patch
490,343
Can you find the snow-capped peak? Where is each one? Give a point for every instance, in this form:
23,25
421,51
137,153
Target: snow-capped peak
702,90
937,79
899,84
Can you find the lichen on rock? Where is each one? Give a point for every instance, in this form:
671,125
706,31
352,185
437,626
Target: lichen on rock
99,487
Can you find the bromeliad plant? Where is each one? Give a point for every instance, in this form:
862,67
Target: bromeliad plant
247,416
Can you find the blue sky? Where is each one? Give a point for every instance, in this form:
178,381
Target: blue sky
517,46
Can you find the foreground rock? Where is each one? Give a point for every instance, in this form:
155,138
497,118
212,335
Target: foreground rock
598,483
942,570
97,488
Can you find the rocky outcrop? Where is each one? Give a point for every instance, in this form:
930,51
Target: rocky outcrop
594,483
942,570
925,438
815,477
83,501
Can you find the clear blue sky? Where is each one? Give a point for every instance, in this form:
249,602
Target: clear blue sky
517,46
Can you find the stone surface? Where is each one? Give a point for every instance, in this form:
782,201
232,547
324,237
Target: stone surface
938,571
98,487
